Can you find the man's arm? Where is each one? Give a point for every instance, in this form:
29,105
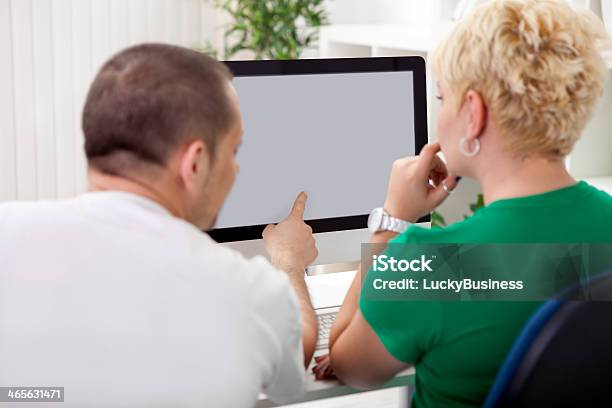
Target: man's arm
292,248
309,318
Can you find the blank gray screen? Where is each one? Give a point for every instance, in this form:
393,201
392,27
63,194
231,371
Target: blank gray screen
334,136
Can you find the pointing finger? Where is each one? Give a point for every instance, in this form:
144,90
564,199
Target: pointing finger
299,206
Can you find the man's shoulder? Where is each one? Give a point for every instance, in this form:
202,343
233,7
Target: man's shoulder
263,292
20,206
256,274
17,211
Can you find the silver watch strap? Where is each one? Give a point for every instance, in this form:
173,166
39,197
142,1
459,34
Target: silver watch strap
391,223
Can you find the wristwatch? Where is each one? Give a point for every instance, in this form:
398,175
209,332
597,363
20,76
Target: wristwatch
380,220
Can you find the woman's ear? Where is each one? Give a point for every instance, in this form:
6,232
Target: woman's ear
194,165
477,114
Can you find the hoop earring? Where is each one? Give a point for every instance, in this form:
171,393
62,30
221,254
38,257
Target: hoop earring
467,153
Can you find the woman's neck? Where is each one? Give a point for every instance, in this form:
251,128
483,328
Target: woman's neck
527,177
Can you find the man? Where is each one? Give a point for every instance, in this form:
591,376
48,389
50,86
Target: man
117,295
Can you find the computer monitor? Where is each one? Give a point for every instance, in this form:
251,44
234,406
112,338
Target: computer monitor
330,127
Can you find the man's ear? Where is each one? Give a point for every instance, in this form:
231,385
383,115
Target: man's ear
194,165
477,114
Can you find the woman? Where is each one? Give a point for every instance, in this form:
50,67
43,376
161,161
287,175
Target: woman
518,81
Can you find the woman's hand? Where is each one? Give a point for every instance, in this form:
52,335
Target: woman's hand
322,370
416,184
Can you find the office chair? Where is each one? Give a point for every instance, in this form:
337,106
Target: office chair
563,355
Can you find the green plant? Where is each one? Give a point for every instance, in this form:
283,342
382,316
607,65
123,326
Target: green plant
437,220
274,29
475,206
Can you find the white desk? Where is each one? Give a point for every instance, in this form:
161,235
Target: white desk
326,291
318,390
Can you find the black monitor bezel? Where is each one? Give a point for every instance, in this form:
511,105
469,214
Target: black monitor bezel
334,66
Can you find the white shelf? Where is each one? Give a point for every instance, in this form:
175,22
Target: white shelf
366,39
370,39
602,183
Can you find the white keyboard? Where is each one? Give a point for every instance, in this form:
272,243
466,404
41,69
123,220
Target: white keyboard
326,320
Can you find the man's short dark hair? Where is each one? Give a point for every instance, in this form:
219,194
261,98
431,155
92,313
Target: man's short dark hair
149,99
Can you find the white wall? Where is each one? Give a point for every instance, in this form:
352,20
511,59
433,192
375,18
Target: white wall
51,50
8,169
592,155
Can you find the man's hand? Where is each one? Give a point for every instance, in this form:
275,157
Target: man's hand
290,243
416,184
292,248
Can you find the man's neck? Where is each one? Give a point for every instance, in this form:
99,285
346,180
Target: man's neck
529,177
105,182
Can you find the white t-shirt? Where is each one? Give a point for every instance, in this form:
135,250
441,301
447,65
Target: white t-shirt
113,298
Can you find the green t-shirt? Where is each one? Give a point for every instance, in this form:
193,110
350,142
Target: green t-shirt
458,347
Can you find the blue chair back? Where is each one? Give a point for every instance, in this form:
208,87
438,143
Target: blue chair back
563,355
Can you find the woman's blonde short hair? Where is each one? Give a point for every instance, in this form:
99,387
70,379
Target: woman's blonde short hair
536,63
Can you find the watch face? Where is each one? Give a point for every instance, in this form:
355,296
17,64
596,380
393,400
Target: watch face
375,219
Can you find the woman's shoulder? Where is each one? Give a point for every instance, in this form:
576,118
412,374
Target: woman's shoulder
578,212
600,197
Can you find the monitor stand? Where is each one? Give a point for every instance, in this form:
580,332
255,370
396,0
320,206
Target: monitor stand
339,251
313,270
